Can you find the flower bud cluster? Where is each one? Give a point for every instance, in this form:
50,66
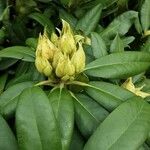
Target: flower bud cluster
60,56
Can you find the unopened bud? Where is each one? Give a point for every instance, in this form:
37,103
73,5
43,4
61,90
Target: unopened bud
87,41
45,47
65,69
67,42
58,56
54,38
79,38
43,66
78,59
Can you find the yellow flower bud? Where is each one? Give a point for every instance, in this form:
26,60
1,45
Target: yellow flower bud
67,42
87,41
128,84
45,47
65,69
78,59
43,66
79,38
58,56
54,38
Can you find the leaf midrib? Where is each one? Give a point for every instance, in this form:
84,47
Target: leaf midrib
140,111
124,63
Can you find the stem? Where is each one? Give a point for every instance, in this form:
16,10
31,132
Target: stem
47,82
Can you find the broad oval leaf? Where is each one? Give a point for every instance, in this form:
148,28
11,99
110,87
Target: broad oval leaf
7,138
77,141
5,63
108,95
145,15
62,104
43,20
119,65
89,114
98,45
9,98
68,17
130,124
89,21
3,79
120,24
117,45
18,52
35,122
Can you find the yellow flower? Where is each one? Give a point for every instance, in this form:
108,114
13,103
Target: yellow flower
128,84
67,42
78,59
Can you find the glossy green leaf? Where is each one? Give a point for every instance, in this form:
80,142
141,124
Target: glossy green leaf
106,3
65,2
3,79
117,45
145,15
119,65
98,46
89,21
18,52
68,17
128,40
23,78
126,128
35,122
89,114
62,104
43,20
77,141
7,138
108,95
5,63
120,24
9,98
32,42
146,46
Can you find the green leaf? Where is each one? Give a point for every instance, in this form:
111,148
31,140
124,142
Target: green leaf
146,46
9,98
117,45
68,17
22,78
3,79
35,122
77,141
43,20
5,63
62,104
130,124
145,15
120,24
119,65
90,20
108,95
106,3
8,141
18,52
32,42
128,40
89,114
98,45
